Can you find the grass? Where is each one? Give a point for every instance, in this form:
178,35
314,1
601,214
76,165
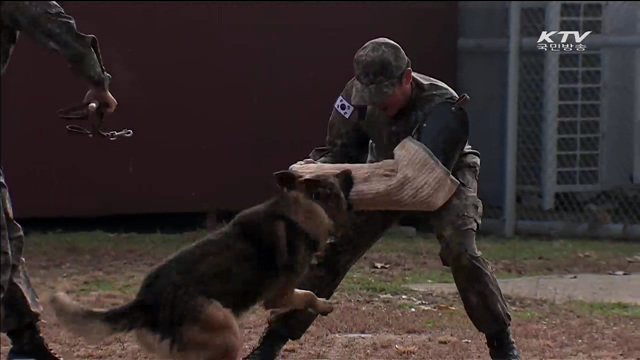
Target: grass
580,308
494,249
360,281
532,256
355,280
94,284
607,309
99,240
429,324
510,258
422,276
127,285
534,249
515,249
525,315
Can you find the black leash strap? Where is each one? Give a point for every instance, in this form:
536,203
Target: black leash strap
83,112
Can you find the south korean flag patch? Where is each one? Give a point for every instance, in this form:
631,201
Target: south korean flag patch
343,107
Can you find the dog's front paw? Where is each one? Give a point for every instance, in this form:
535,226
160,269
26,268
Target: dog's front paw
324,307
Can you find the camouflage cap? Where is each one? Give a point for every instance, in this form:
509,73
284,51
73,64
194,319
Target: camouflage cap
378,66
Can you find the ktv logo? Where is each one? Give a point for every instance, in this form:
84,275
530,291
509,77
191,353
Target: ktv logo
546,41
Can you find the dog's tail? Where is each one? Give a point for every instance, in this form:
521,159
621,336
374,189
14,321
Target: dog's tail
95,325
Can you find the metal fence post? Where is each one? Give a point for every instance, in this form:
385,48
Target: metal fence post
636,132
511,146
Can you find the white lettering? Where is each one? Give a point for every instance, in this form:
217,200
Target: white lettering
545,36
580,38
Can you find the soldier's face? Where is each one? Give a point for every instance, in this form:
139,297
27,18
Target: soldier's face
399,98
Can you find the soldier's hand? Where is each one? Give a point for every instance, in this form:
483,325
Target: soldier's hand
102,96
306,161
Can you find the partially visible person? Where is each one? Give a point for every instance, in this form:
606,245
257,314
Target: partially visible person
46,23
378,108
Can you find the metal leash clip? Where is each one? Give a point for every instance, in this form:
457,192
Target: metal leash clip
113,135
82,112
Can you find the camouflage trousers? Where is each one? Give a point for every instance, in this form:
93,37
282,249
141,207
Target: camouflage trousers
18,300
455,225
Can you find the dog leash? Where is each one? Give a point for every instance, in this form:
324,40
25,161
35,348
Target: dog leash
83,112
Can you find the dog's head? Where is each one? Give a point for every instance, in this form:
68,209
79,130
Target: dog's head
331,192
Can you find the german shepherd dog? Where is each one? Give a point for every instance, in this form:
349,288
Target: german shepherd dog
186,307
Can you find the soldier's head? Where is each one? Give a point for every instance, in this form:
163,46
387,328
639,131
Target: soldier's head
383,76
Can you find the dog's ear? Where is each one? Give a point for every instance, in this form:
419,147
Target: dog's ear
286,179
345,179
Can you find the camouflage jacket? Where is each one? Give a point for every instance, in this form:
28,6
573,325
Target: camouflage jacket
365,134
48,25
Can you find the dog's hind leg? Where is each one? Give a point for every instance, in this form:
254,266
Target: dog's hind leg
215,336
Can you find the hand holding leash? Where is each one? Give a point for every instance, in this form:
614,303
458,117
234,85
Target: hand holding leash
102,97
83,112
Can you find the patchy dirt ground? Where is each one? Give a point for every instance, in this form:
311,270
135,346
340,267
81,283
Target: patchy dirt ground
377,316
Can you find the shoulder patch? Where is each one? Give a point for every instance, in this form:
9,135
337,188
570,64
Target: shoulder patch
343,107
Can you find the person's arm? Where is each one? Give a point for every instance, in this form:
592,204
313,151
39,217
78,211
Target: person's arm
346,141
47,24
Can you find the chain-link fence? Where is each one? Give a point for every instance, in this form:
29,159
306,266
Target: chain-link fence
577,119
572,149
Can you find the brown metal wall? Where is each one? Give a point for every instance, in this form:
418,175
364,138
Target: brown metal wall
220,95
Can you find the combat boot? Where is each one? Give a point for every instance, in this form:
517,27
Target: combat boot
270,346
502,347
28,344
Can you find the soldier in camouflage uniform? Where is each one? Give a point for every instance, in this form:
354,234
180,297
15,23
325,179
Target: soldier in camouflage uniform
47,24
388,101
